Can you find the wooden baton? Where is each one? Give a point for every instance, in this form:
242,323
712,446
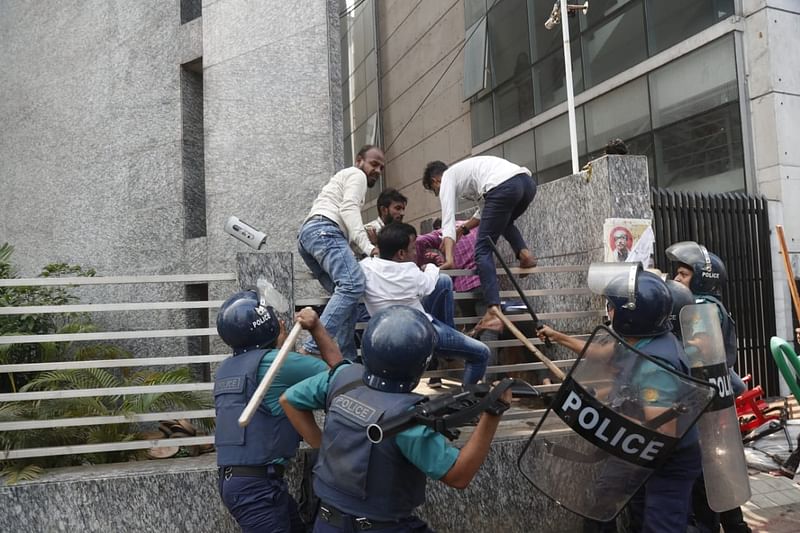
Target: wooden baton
522,338
261,391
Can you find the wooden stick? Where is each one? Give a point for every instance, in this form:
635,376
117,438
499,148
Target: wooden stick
261,391
789,273
521,336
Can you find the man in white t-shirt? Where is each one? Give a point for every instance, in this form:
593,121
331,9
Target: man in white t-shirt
395,279
333,223
503,191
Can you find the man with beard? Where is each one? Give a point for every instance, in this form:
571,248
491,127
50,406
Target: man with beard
334,222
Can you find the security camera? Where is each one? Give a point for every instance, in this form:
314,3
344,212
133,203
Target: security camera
555,17
245,232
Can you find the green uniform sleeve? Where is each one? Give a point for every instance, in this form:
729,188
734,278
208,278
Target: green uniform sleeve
295,369
658,388
311,393
427,450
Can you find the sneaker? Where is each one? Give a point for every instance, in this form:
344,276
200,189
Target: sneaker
435,383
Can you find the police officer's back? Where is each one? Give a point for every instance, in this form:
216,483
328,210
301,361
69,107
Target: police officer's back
377,486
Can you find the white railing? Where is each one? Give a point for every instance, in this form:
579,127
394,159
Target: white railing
201,387
55,395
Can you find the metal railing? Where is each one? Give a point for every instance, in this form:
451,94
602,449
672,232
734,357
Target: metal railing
203,387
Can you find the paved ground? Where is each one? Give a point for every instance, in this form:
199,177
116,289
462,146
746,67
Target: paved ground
775,504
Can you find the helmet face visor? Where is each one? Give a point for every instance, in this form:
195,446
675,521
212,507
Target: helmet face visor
615,280
690,253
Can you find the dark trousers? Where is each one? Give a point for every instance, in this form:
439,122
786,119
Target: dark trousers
502,206
261,505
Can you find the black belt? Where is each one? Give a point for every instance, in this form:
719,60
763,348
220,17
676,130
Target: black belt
337,518
273,471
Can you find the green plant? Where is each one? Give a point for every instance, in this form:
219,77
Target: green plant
90,378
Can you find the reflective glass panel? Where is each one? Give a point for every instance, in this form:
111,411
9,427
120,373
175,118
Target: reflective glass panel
482,118
622,113
614,46
598,10
509,52
475,59
513,103
549,78
552,140
702,80
520,150
702,153
669,22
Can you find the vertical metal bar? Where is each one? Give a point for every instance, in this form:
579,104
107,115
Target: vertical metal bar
573,133
766,290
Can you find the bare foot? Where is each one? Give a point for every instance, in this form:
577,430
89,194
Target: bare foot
489,322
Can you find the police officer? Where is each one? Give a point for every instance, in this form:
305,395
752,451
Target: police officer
365,486
704,273
663,504
251,459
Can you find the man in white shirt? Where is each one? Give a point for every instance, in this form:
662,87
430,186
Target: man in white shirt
503,191
323,242
395,279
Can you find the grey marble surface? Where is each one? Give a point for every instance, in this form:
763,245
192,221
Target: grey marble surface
181,495
276,268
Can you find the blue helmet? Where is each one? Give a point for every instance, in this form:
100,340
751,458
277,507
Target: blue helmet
708,270
641,300
396,348
245,325
681,297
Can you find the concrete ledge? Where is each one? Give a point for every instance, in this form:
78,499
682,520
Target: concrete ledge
181,495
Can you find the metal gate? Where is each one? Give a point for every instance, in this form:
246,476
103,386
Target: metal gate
735,226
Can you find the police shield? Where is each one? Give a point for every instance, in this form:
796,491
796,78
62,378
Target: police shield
724,465
616,418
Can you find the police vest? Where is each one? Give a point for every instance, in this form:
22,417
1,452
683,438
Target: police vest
352,474
667,349
727,325
267,437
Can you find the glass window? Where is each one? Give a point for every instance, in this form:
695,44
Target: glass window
550,77
552,140
520,150
598,10
482,119
508,40
554,173
673,21
513,103
544,41
702,80
622,113
473,11
614,46
475,59
702,153
496,151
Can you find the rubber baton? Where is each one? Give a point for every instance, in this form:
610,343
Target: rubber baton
261,391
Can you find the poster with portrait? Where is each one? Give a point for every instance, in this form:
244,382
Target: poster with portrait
627,240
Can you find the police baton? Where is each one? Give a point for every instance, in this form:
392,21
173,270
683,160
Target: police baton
277,363
787,263
557,372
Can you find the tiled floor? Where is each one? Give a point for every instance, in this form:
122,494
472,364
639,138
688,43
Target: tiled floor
775,504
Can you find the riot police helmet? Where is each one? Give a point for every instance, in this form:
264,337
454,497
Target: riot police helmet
396,348
641,300
245,323
709,273
681,297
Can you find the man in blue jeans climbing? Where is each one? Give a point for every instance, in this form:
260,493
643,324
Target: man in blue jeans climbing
503,191
395,279
334,222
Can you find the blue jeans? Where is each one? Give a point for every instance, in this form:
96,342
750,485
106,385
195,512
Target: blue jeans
502,206
326,251
261,505
452,343
440,303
